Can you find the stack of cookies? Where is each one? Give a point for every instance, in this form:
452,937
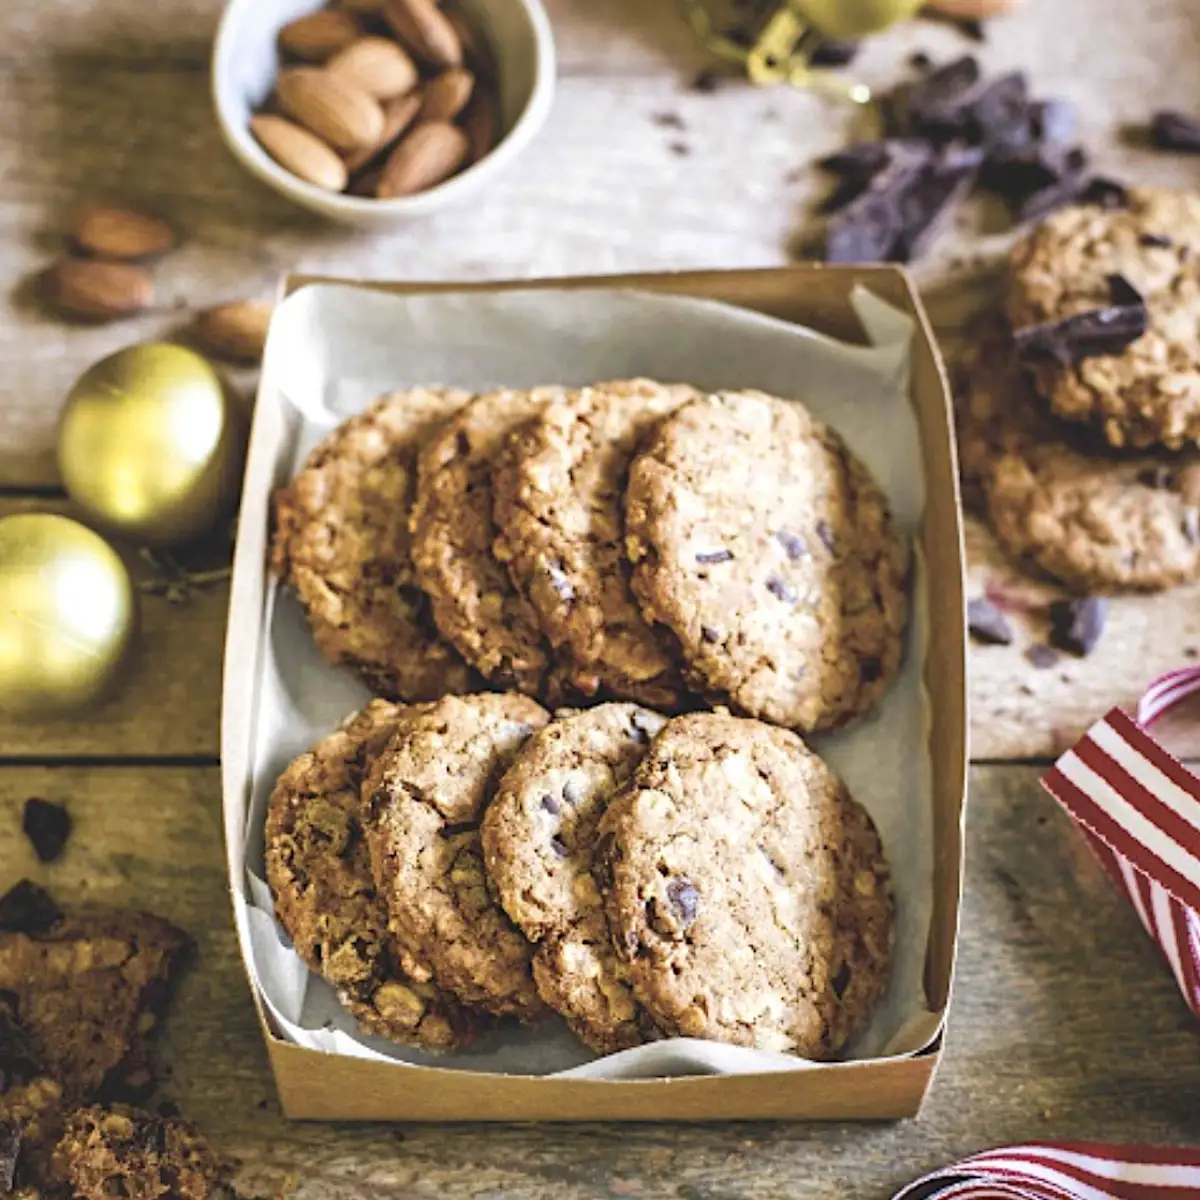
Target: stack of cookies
452,855
626,541
446,864
1080,415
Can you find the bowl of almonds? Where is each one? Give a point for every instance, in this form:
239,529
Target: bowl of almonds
373,111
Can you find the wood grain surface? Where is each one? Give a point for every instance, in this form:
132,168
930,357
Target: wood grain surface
1065,1023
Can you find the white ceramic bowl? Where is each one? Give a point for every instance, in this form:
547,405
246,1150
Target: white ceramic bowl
246,61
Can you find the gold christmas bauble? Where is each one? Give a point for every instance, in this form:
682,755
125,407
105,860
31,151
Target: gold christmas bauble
854,18
67,614
149,445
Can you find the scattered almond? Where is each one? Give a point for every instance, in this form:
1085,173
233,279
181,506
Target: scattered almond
98,291
425,30
120,233
378,66
398,115
433,151
481,123
974,9
236,332
320,35
328,105
447,94
298,151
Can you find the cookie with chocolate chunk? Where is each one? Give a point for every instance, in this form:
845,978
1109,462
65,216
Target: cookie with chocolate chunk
426,795
341,541
475,604
1057,502
538,838
559,495
746,890
765,546
1147,394
319,869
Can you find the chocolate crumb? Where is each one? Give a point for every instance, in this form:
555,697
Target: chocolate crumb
1077,623
679,149
1156,241
47,826
988,624
782,590
707,82
685,900
27,908
711,557
668,120
1175,131
1041,656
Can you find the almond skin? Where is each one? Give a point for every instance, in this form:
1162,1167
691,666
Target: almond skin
424,29
319,36
98,291
433,151
337,111
298,151
236,332
378,66
481,123
398,115
120,233
447,94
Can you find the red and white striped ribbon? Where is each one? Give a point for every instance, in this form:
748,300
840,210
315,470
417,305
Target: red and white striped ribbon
1140,810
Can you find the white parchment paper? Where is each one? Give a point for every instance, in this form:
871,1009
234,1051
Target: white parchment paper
333,348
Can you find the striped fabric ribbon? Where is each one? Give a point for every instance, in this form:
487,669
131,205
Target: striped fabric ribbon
1139,809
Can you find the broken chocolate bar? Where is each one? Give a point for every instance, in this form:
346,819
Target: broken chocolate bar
1175,131
987,623
1078,623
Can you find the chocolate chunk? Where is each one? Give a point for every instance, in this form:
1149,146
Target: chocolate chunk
572,793
934,105
1054,120
550,804
559,846
997,112
865,231
1156,241
709,634
833,52
782,590
826,535
685,900
987,623
27,908
924,205
10,1149
1105,193
709,557
841,981
859,160
47,826
1041,656
1175,131
1102,331
792,543
1077,623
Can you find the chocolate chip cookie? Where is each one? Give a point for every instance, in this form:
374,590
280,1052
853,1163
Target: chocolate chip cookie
1149,394
426,795
1057,501
319,869
341,540
746,890
769,552
475,603
559,493
538,837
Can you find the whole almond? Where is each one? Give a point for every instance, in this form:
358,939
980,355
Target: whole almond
236,332
978,10
298,151
481,123
378,66
398,115
424,29
98,291
433,151
474,52
320,35
328,105
120,233
447,94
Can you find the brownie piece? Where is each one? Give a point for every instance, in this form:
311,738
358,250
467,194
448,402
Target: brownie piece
124,1152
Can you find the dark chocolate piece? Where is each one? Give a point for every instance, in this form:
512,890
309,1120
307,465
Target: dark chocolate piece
1054,121
27,908
1105,193
1041,656
1077,623
987,623
1175,131
47,826
1102,331
1155,241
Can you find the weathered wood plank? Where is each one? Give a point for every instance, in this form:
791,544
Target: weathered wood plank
167,703
1066,1024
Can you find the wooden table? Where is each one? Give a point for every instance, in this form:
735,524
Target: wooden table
1065,1022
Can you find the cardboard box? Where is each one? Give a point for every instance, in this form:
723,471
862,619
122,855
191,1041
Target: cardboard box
319,1086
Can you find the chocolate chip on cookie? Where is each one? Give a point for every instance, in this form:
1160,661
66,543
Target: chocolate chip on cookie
747,892
341,540
763,544
426,795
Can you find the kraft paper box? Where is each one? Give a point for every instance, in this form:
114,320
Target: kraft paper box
855,346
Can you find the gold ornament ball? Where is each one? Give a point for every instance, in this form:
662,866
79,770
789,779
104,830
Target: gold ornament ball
67,615
149,445
855,18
